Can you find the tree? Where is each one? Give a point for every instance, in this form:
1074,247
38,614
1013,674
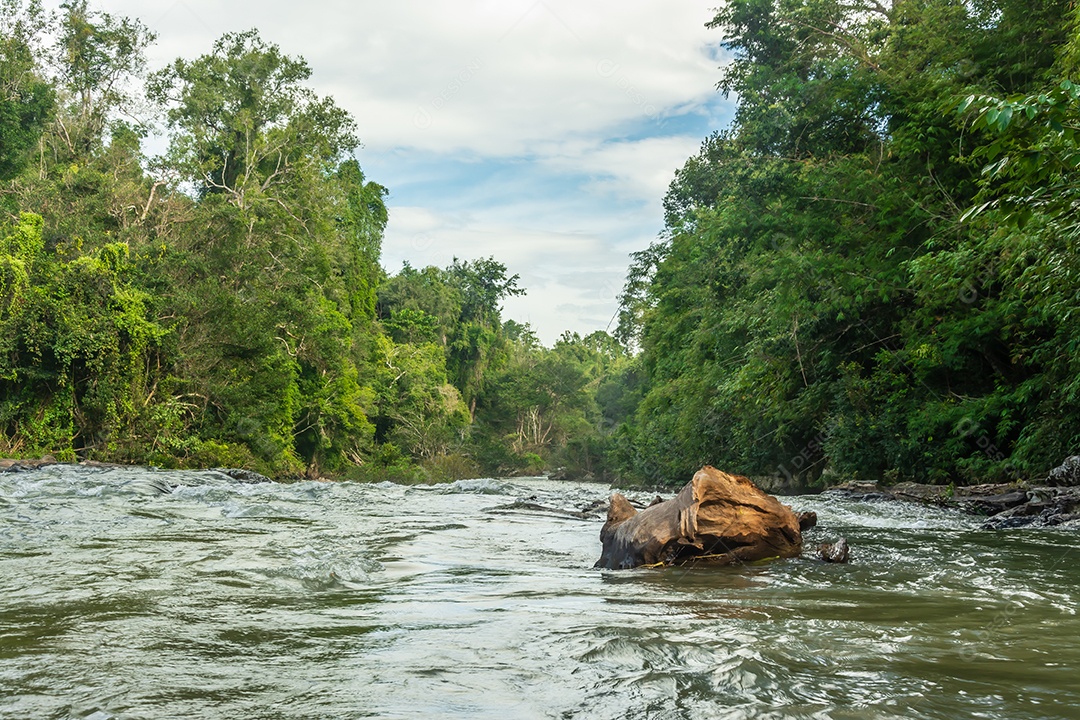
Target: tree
26,99
478,345
245,123
97,54
425,412
78,343
276,288
461,304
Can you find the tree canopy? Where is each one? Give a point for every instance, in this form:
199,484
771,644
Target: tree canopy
841,286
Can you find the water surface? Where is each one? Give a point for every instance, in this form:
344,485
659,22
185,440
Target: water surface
321,600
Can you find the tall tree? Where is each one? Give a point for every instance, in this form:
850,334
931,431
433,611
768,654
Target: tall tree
26,98
245,122
277,295
97,55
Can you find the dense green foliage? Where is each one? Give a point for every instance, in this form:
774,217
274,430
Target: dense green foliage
840,287
224,304
505,404
872,273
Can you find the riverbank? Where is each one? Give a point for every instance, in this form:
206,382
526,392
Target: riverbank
1051,502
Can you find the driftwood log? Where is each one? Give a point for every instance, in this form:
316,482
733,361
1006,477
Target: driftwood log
716,517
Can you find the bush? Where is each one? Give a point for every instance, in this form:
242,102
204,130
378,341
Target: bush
450,467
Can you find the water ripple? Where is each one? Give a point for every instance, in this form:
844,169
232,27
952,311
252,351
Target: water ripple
130,593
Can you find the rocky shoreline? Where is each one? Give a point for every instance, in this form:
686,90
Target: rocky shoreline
1051,502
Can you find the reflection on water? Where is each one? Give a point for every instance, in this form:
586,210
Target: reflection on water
226,600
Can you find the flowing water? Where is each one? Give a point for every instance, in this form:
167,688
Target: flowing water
322,600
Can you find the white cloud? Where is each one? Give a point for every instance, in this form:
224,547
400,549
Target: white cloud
492,77
637,170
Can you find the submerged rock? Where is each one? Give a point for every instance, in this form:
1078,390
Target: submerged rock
837,552
535,508
244,476
15,466
717,517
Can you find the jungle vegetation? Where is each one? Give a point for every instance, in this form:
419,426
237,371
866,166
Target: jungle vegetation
223,304
871,273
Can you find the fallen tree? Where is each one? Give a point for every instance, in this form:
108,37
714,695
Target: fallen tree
716,517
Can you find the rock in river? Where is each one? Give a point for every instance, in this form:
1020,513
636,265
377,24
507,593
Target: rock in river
1066,474
717,517
837,552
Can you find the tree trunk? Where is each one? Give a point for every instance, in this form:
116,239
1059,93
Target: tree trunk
717,517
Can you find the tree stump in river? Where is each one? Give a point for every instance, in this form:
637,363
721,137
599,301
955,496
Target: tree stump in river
716,517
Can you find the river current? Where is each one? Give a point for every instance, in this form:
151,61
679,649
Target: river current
338,600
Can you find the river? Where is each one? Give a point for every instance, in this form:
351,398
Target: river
339,600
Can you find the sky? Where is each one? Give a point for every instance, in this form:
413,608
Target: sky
543,133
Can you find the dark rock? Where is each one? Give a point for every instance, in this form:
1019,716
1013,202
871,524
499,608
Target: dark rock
1044,507
985,490
863,491
1065,475
869,497
535,508
1027,510
15,466
1062,518
597,507
837,552
244,476
919,492
855,487
1063,503
807,520
994,504
1006,523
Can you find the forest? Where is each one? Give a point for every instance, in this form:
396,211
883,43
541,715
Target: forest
870,274
223,304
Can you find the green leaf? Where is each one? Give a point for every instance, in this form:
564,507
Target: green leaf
1004,118
1023,217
